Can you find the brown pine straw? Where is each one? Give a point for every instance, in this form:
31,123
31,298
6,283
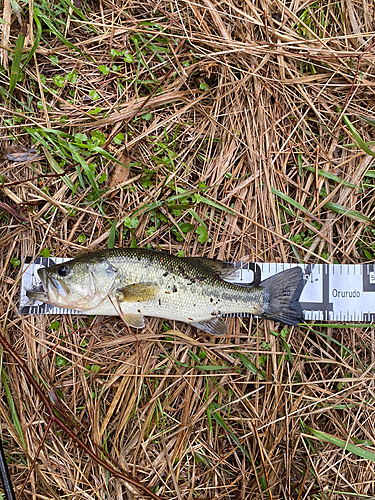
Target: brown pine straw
56,415
240,110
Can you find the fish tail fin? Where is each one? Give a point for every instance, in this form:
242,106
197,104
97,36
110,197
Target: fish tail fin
282,293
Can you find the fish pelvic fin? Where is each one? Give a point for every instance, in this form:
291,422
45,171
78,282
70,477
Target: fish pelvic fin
134,320
282,293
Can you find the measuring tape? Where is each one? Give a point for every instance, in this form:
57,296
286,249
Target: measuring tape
333,292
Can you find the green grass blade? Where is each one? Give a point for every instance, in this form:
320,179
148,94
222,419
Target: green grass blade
86,169
209,420
330,176
8,97
56,132
343,325
57,33
331,339
194,214
287,349
357,138
219,420
70,5
348,494
369,121
112,235
98,149
352,214
12,407
250,365
159,203
214,204
36,41
42,136
290,200
56,167
15,68
207,368
356,450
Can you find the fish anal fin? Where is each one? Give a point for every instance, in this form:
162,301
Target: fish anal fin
215,326
224,270
137,292
134,320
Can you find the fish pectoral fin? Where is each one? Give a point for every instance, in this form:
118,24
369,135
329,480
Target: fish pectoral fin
224,270
214,326
137,292
134,320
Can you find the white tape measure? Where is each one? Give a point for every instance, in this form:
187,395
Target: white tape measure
333,292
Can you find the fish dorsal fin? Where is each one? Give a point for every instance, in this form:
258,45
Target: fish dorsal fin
228,272
214,326
134,320
137,292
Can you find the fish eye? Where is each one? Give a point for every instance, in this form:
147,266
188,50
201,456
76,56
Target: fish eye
62,270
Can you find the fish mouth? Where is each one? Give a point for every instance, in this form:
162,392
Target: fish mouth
49,289
39,292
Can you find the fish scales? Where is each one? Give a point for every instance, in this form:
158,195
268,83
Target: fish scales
136,282
190,291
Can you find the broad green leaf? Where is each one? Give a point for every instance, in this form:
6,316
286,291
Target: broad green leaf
95,111
94,95
104,69
45,253
59,81
128,58
133,243
185,227
202,234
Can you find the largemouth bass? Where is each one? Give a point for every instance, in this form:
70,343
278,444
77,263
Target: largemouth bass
134,283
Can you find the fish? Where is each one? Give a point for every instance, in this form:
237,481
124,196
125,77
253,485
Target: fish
135,282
